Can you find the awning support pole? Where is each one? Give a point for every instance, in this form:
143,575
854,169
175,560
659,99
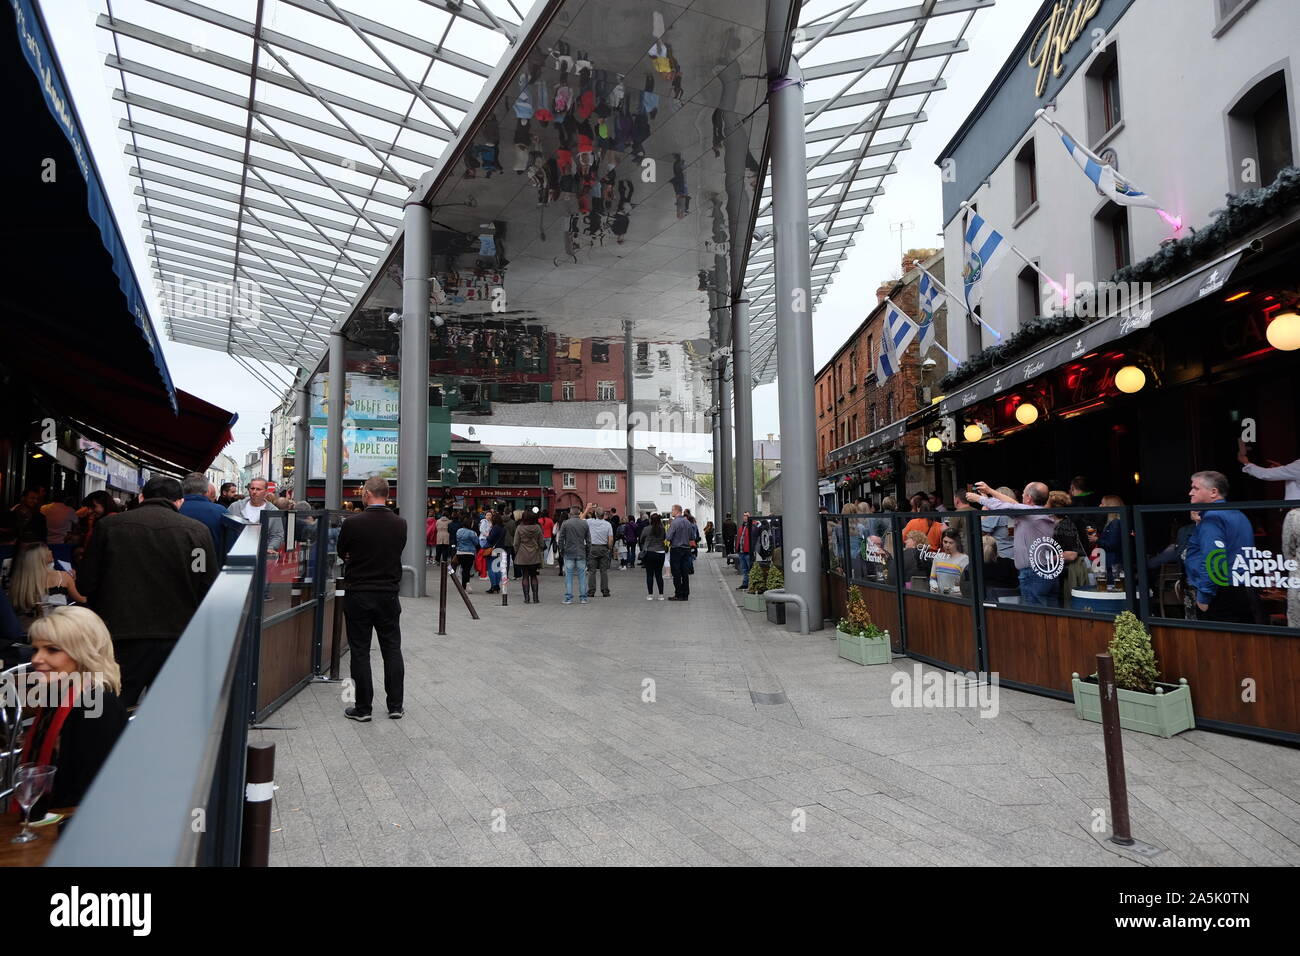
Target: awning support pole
413,426
338,376
801,541
740,379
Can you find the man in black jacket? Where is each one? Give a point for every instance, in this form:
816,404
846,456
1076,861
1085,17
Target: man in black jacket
145,573
371,545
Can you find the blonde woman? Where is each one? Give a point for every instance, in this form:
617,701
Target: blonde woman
83,716
37,581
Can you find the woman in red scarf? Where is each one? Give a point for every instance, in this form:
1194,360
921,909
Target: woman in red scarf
76,680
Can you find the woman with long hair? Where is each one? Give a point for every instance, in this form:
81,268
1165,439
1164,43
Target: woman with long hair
97,506
35,580
1111,540
528,554
83,716
653,551
949,565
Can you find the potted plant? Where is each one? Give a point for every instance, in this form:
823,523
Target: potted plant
857,637
753,600
775,610
1145,704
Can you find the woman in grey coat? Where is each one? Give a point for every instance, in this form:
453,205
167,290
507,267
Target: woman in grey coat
528,554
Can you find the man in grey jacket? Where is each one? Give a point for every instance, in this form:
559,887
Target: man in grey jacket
598,556
249,511
575,544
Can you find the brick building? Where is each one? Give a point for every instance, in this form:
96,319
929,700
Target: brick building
851,403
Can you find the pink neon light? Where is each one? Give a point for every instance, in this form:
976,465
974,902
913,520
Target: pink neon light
1175,222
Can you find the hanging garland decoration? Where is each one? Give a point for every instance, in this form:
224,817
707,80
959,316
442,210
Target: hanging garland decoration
1242,215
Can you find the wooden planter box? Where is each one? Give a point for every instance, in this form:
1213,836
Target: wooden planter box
754,602
864,650
1166,712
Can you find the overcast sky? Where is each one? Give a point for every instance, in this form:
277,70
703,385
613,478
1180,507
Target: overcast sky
912,195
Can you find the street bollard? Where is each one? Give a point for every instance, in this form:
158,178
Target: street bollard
503,569
442,600
255,845
1120,831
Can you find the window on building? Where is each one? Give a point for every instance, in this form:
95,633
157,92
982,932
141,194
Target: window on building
600,351
664,360
1026,296
665,487
1259,133
853,428
875,423
871,355
1101,83
853,370
607,483
435,396
665,394
468,472
568,391
605,391
435,468
1111,240
1026,179
570,480
1226,13
514,475
517,392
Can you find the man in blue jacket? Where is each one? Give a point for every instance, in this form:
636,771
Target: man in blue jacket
1213,549
196,505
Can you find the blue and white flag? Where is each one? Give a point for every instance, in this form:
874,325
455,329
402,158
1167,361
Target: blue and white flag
1108,182
899,332
982,248
930,294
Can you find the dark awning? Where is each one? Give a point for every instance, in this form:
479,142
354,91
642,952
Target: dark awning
74,328
1176,295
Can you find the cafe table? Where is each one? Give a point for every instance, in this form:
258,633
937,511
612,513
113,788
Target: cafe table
1091,599
26,854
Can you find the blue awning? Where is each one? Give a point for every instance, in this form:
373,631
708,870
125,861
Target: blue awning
134,343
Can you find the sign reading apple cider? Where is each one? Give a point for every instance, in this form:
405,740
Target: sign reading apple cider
1054,38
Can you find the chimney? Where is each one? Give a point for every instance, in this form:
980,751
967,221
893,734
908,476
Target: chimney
882,292
650,449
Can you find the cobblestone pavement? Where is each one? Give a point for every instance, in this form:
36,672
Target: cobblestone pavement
528,740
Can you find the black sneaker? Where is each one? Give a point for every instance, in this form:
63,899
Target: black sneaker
353,714
396,714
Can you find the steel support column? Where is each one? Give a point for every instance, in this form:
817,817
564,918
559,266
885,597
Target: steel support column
730,476
413,425
801,538
337,387
627,403
740,383
302,442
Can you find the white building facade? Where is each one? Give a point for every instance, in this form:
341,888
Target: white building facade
1188,99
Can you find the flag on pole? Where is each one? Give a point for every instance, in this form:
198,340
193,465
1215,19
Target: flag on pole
1108,182
930,295
983,247
899,332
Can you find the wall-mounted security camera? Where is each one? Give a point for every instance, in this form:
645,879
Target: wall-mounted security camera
296,421
437,320
820,235
394,318
762,235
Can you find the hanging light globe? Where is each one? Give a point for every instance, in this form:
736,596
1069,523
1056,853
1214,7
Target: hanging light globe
1026,413
1130,379
973,433
1283,332
934,444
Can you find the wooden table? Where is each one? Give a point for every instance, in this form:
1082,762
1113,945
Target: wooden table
25,854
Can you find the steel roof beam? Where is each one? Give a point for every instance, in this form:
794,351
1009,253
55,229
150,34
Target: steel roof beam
896,58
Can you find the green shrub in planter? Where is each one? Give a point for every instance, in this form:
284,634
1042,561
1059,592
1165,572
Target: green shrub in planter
758,579
1145,704
775,579
857,637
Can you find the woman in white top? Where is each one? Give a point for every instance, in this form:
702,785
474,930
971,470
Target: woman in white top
949,564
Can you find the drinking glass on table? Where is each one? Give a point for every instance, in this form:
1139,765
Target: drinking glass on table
32,783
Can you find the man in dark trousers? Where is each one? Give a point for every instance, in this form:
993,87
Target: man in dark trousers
370,545
145,573
728,536
681,539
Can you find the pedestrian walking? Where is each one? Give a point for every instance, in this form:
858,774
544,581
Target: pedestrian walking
631,536
745,549
601,541
496,537
680,540
370,544
728,536
466,552
708,536
575,544
653,543
528,544
145,573
510,521
442,542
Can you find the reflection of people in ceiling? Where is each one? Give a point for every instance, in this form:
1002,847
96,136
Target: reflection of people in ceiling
679,186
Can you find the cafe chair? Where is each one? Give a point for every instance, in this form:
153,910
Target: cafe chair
1169,590
11,726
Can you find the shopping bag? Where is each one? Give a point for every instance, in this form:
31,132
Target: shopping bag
550,558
